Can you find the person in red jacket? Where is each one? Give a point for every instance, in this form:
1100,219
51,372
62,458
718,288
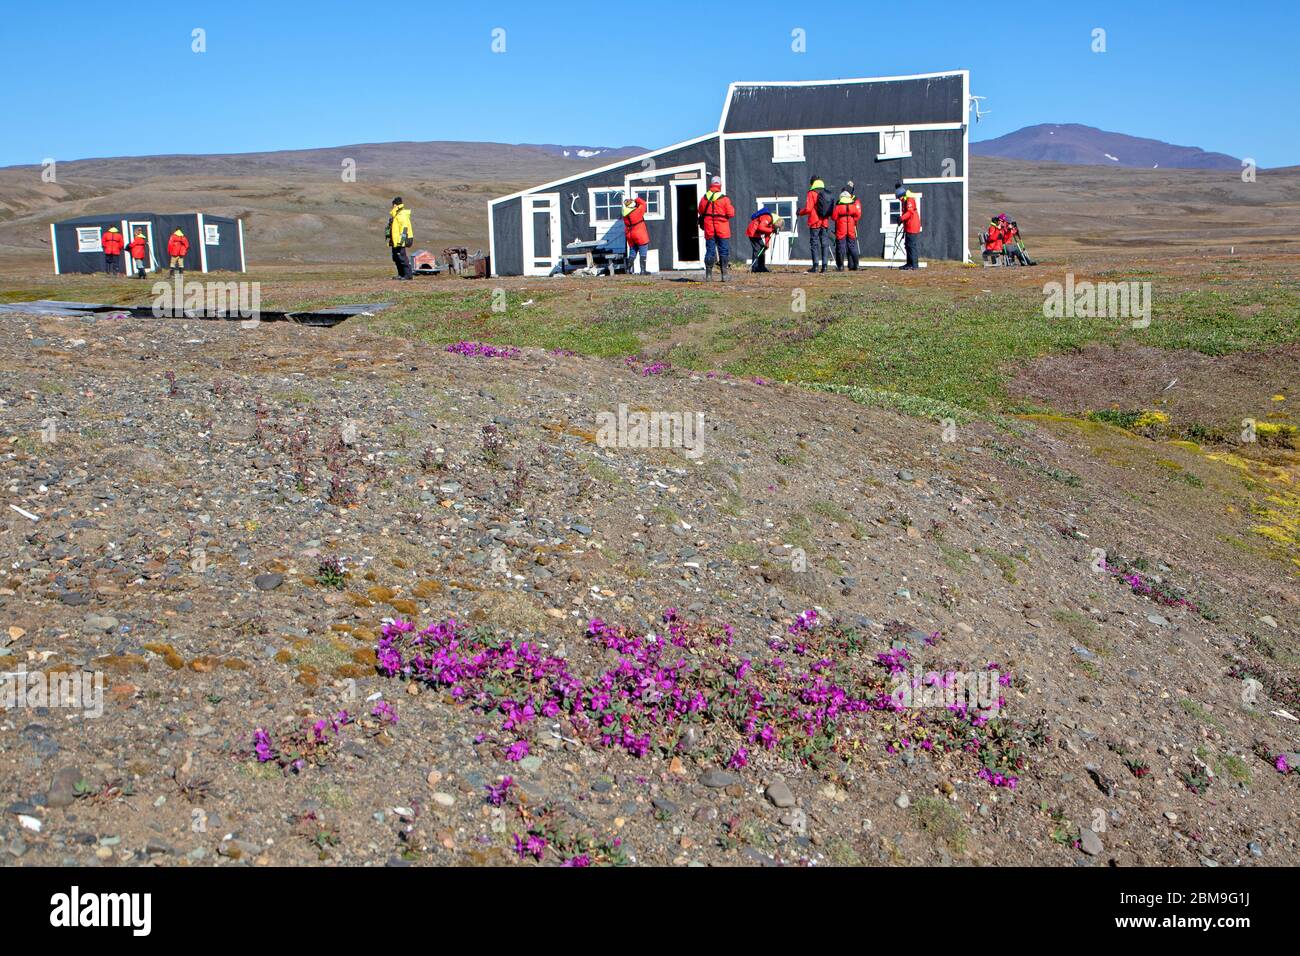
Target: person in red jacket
910,220
819,233
636,231
139,253
845,216
1012,244
762,229
994,239
111,243
716,213
177,246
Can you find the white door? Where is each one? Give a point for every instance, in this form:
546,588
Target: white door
891,231
150,263
778,252
688,237
541,231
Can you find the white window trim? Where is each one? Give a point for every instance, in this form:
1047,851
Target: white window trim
791,225
904,153
777,137
591,205
885,199
651,217
216,231
87,245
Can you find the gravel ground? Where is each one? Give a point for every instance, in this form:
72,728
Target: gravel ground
226,517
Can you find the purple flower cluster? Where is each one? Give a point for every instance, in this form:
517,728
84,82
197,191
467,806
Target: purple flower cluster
660,684
1156,591
384,711
483,350
998,779
309,743
498,792
639,365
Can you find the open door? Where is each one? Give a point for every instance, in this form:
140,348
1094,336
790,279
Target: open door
541,232
688,238
151,263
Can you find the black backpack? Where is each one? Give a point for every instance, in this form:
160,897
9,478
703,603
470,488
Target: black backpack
825,204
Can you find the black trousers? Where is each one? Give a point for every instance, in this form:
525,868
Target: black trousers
110,263
846,250
909,243
402,259
758,255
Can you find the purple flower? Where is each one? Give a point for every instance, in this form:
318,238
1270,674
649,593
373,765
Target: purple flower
384,711
497,792
580,860
533,846
1282,765
739,759
804,621
517,750
262,746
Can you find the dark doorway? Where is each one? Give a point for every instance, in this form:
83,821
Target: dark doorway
685,205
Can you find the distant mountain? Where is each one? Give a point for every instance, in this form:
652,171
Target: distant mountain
1089,146
587,152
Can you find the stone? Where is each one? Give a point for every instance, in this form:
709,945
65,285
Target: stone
97,623
717,779
903,801
1090,842
268,582
778,791
443,799
63,787
797,821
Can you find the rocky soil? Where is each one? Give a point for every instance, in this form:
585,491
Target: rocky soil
225,518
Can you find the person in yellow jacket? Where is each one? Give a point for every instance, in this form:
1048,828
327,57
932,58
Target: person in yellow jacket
400,236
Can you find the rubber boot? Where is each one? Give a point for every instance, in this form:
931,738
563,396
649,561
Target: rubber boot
708,271
722,270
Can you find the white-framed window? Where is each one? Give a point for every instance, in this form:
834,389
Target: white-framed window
891,211
787,148
88,239
785,207
606,205
654,200
895,144
211,234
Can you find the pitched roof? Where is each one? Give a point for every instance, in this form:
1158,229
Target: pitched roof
832,104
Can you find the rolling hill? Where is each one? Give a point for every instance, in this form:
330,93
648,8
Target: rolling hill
1088,146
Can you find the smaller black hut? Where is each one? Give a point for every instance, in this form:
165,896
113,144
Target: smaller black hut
216,242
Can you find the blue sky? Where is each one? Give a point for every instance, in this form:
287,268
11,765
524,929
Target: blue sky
85,79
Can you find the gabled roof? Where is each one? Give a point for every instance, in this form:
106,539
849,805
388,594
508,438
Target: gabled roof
753,107
114,217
